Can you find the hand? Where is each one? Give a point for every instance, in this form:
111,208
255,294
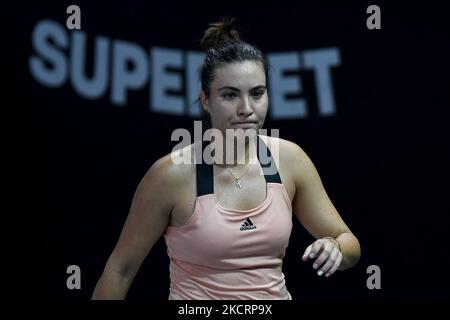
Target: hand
328,256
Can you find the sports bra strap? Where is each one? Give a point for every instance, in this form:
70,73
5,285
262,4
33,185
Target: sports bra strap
205,174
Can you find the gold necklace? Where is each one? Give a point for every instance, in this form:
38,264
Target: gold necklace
237,181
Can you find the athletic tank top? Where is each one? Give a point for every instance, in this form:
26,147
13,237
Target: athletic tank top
222,253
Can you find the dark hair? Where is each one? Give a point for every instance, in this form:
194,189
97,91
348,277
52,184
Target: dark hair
223,44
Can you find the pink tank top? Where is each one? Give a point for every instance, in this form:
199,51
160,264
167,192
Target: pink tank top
223,253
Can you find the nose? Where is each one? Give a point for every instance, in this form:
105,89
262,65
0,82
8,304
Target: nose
245,108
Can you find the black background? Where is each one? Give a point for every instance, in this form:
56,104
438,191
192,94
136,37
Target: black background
382,157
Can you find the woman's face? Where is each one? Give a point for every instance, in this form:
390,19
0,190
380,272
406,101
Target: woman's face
238,97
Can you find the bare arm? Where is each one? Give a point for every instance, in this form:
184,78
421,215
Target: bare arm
317,214
147,220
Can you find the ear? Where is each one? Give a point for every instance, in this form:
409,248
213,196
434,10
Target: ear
204,101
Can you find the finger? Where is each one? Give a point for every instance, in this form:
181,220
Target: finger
335,266
330,262
305,256
316,247
324,255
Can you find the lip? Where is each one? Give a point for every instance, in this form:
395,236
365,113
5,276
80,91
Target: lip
247,124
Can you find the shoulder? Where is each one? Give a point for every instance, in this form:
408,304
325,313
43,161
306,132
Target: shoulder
287,150
171,170
292,159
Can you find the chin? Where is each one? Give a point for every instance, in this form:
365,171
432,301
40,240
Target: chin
248,132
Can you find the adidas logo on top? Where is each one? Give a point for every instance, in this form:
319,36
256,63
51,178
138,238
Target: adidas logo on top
247,225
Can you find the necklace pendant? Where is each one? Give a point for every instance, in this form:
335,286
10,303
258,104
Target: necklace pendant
238,184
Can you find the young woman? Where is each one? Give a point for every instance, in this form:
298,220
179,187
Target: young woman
227,224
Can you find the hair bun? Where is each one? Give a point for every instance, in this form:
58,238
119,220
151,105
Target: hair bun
219,33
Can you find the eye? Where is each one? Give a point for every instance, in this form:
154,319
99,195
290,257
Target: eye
229,95
258,94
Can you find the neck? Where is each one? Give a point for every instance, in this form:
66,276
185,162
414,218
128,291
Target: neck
233,156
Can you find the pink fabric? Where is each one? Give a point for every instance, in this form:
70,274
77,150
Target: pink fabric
218,254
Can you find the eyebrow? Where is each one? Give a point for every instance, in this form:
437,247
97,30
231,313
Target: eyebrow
236,89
